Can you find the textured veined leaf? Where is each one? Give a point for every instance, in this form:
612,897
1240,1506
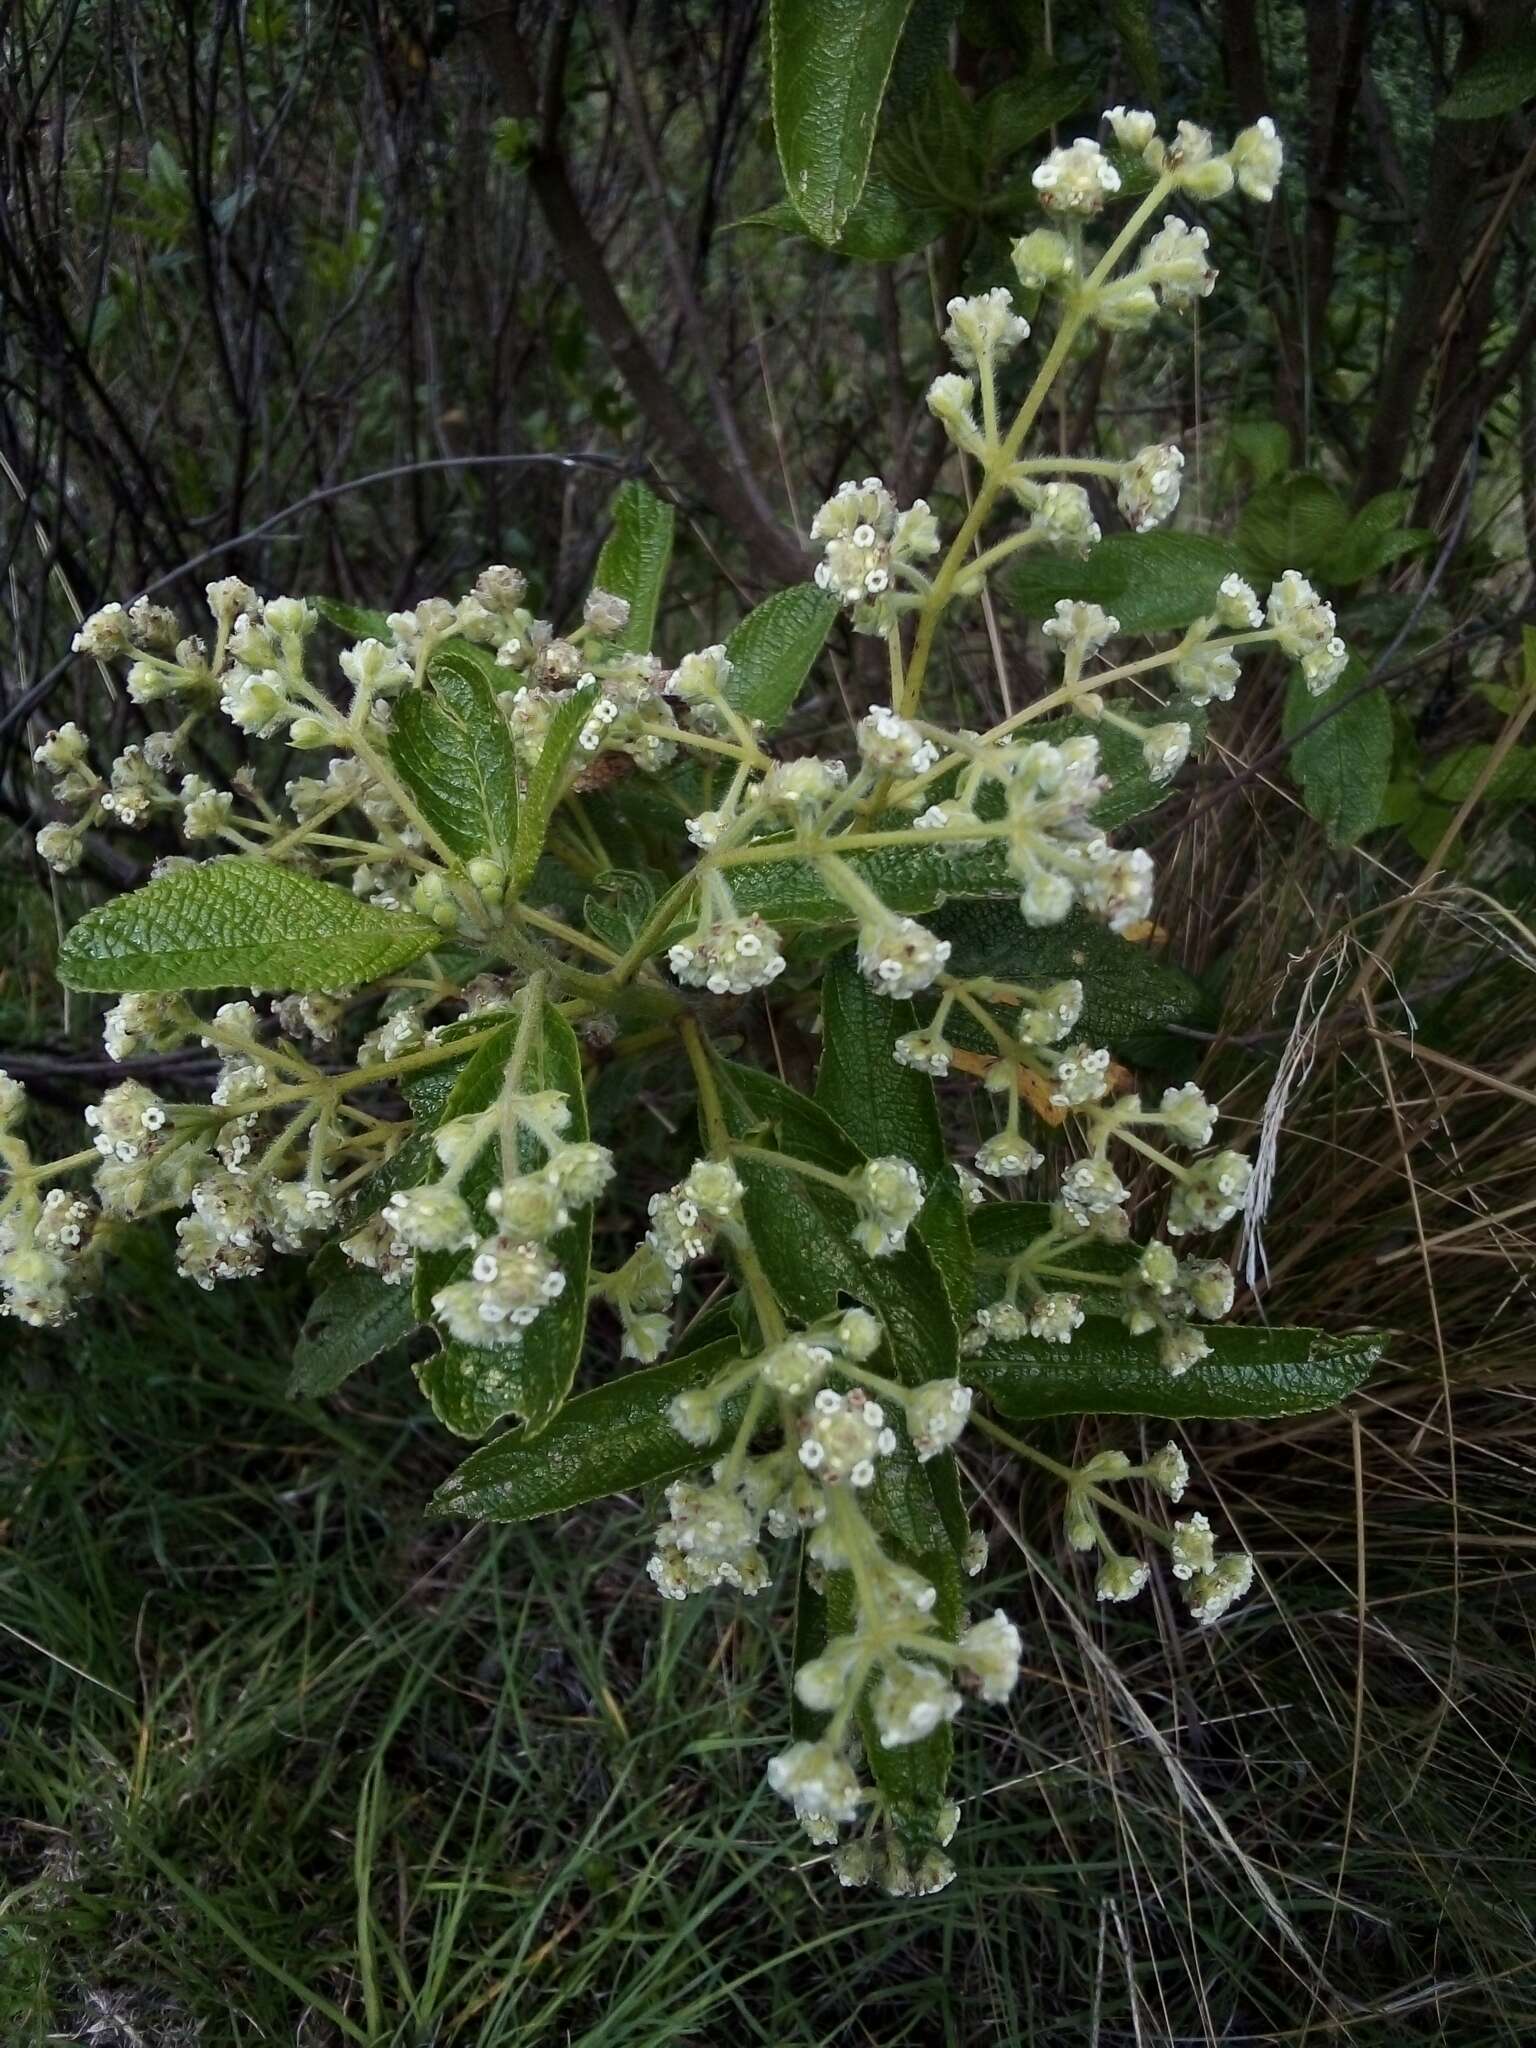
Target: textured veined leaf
608,1440
888,1108
349,1323
830,63
548,779
239,922
634,558
1128,990
1344,764
1106,1371
452,749
772,651
1151,582
359,622
1296,522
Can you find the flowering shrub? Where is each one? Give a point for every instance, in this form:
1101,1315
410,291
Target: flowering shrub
435,947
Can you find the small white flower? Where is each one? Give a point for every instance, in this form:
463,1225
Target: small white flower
991,1650
1085,627
983,327
925,1052
1211,1593
889,1194
1043,258
1207,672
730,957
910,1701
843,1436
1166,749
892,745
1076,179
1053,1318
1120,1578
1134,127
1006,1155
936,1416
901,957
1149,486
1237,605
817,1781
1257,158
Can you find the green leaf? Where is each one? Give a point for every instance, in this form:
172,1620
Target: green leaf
451,748
617,914
353,619
830,63
883,227
547,781
1451,780
1496,83
633,563
935,156
1151,582
1017,112
772,651
1375,537
908,878
350,1323
1128,991
1001,1230
239,922
885,1107
609,1440
1344,767
1296,522
1264,445
1106,1371
470,1387
801,1230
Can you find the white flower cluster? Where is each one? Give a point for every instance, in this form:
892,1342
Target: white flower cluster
729,956
513,1273
870,550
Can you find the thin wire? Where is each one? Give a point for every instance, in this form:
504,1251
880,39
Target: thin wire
612,463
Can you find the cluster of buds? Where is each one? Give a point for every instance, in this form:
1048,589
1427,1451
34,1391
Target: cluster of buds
870,549
46,1238
513,1273
1210,1583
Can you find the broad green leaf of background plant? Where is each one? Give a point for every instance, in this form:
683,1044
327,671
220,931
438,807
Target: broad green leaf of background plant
887,1108
451,747
1107,1371
773,649
356,620
1151,582
472,1387
634,558
609,1440
1374,538
1496,84
830,63
1344,767
237,922
349,1323
1128,990
1294,522
546,782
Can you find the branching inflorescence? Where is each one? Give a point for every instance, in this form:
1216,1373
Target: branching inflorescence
423,1107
